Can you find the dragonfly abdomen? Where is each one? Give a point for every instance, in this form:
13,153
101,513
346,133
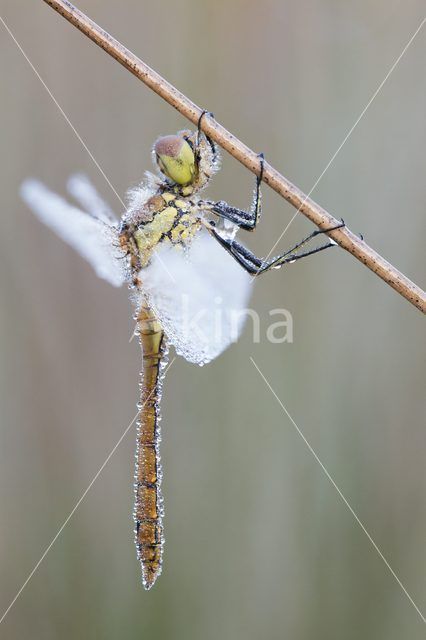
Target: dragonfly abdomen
148,512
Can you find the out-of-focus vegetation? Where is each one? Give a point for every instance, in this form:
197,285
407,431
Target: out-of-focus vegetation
258,543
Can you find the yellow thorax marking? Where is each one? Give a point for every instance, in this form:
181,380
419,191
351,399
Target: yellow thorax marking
185,229
177,222
148,236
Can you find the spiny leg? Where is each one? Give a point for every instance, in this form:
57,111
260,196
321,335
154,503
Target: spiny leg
255,266
246,220
209,140
241,254
252,264
290,255
278,262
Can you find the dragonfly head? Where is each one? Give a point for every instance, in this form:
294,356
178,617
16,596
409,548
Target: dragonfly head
186,160
175,159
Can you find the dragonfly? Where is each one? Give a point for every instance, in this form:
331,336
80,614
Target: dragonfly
179,256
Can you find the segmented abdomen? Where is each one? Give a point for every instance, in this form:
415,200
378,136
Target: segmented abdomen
148,512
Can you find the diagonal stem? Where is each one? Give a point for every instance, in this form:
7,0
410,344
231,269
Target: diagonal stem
295,196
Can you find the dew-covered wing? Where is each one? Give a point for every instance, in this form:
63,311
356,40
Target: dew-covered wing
199,295
89,199
92,238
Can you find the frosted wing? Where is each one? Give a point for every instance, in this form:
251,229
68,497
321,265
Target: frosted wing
199,296
91,238
85,193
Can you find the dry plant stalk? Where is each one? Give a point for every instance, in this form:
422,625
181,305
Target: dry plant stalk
316,214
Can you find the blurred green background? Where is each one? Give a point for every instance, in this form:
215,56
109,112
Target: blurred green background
258,542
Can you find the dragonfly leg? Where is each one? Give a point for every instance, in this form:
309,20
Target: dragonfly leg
241,254
291,252
209,140
246,220
255,266
288,258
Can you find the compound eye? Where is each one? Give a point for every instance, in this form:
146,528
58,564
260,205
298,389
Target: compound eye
175,158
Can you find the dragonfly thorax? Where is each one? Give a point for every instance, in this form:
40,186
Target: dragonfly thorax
165,218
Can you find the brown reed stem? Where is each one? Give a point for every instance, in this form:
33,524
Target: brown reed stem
319,216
